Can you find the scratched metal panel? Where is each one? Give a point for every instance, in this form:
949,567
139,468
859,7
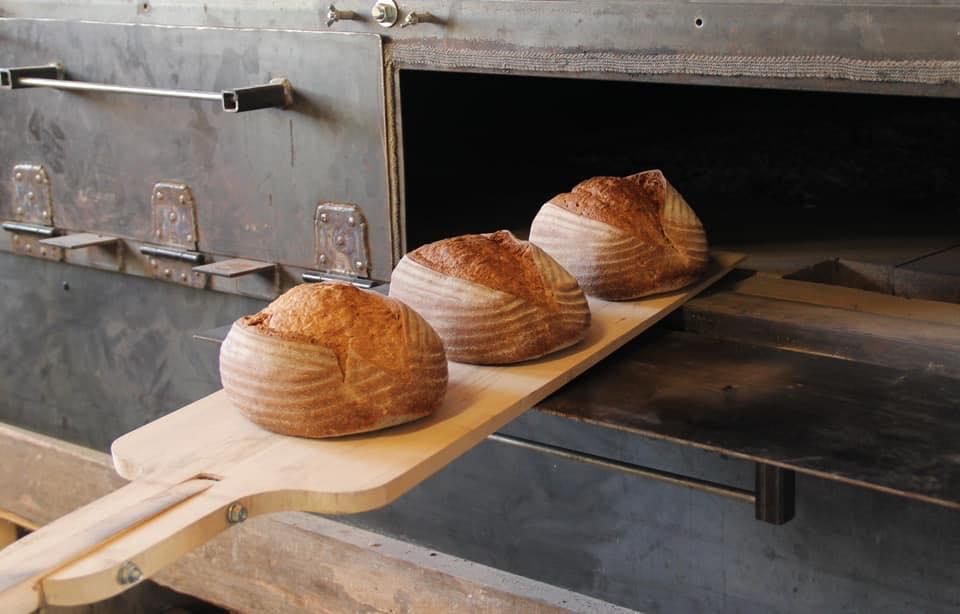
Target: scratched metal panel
256,176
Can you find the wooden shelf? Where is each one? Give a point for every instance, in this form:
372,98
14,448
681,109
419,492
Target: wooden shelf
887,429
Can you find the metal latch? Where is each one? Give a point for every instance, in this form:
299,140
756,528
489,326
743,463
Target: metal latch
175,230
342,251
32,212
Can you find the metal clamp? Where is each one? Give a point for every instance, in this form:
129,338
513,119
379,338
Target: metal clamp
278,93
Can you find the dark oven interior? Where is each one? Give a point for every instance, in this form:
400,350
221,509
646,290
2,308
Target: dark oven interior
760,166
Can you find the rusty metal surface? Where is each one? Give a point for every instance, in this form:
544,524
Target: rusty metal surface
256,177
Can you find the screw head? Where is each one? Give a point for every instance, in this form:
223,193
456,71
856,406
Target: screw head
167,272
340,240
129,573
28,247
322,258
45,213
153,262
157,233
323,218
236,513
359,264
31,196
19,210
18,176
183,199
159,195
173,216
183,277
189,237
43,251
39,178
351,220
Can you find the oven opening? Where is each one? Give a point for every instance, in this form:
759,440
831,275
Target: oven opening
762,168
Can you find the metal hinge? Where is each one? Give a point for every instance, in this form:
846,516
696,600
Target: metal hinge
32,212
342,251
175,230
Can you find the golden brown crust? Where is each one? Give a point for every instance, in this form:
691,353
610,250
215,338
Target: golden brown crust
497,260
329,359
338,316
489,307
624,237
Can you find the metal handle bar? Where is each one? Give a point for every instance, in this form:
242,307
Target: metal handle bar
276,94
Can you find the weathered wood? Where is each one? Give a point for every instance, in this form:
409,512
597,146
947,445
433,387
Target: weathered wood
886,429
850,299
876,339
285,562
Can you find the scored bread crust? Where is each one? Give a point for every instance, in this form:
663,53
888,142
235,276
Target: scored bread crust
624,237
296,382
486,325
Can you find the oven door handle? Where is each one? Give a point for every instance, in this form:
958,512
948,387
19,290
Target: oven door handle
278,93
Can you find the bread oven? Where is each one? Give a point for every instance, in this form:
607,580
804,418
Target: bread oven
169,167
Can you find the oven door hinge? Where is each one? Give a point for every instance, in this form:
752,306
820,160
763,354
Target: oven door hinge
342,252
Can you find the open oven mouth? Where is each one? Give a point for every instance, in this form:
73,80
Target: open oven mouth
759,166
893,280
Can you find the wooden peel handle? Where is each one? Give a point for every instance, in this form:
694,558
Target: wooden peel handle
24,564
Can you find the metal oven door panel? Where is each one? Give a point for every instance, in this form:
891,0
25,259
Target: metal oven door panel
256,177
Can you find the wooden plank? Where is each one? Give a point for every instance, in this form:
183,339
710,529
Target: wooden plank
849,298
267,473
316,564
896,431
875,339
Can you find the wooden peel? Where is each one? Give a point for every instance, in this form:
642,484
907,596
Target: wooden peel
204,467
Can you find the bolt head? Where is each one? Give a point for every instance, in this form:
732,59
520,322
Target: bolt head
153,262
340,240
189,237
183,277
323,218
378,12
236,513
159,195
31,196
18,176
167,272
39,178
28,247
129,573
322,258
173,216
359,264
45,213
19,210
183,199
157,233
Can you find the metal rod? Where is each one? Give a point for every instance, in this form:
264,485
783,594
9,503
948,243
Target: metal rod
32,229
174,254
86,86
319,276
647,472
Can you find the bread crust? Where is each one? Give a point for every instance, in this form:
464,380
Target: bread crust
485,318
326,360
624,237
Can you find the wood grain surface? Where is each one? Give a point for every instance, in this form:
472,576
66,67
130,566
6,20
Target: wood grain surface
266,472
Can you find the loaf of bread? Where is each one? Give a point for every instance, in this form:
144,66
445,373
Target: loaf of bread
329,359
624,237
492,298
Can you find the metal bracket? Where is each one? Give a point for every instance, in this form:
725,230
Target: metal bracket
251,277
341,241
175,227
33,212
10,77
102,252
33,200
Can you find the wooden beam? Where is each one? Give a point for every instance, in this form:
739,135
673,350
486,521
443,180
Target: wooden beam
280,563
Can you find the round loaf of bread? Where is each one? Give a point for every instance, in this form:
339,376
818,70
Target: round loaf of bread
624,237
492,298
329,359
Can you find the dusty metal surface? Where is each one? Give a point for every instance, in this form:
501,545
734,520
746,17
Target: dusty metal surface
256,177
905,47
